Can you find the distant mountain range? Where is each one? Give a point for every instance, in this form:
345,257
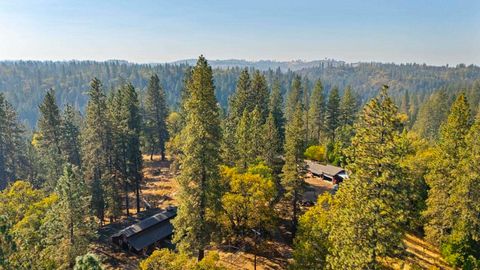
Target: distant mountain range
268,64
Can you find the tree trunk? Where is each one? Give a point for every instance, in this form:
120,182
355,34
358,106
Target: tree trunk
137,187
151,153
201,254
71,233
127,205
294,216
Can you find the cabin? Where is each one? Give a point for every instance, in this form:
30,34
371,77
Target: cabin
152,232
327,172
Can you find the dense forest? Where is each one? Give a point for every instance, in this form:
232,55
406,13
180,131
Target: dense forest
239,138
25,82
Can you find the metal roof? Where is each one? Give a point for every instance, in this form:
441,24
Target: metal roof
150,236
320,169
147,223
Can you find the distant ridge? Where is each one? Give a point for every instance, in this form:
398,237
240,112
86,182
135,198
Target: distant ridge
294,65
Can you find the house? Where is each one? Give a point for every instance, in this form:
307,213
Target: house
327,172
144,236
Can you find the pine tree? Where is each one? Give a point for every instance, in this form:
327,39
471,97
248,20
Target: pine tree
126,122
440,212
370,208
14,163
293,169
238,103
306,107
332,115
88,261
3,144
316,113
70,132
256,129
405,105
295,96
243,140
241,100
432,114
311,244
276,108
132,151
68,223
97,154
259,95
199,180
348,108
271,140
49,132
462,247
156,113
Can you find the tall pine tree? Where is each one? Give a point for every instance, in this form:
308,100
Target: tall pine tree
199,179
276,108
316,113
156,113
370,208
440,211
293,169
97,155
332,116
50,138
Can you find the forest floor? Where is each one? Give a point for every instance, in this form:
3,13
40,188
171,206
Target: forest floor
159,190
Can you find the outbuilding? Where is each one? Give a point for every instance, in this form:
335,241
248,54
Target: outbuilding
327,172
144,236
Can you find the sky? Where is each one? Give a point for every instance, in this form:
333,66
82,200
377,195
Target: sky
435,32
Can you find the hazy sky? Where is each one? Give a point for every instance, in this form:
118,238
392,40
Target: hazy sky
433,32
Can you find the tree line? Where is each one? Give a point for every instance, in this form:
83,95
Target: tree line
24,82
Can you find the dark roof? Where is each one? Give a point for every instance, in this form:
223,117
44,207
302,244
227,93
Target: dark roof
320,169
150,236
147,223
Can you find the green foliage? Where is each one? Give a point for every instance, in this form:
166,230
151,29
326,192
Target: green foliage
246,204
348,108
316,113
156,112
249,138
271,146
441,209
370,209
70,133
167,260
293,169
311,245
68,224
295,96
14,161
88,261
96,150
276,109
460,244
416,154
199,192
432,114
259,95
50,139
124,109
315,152
332,114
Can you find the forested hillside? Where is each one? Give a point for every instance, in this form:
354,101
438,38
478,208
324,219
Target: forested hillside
24,83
